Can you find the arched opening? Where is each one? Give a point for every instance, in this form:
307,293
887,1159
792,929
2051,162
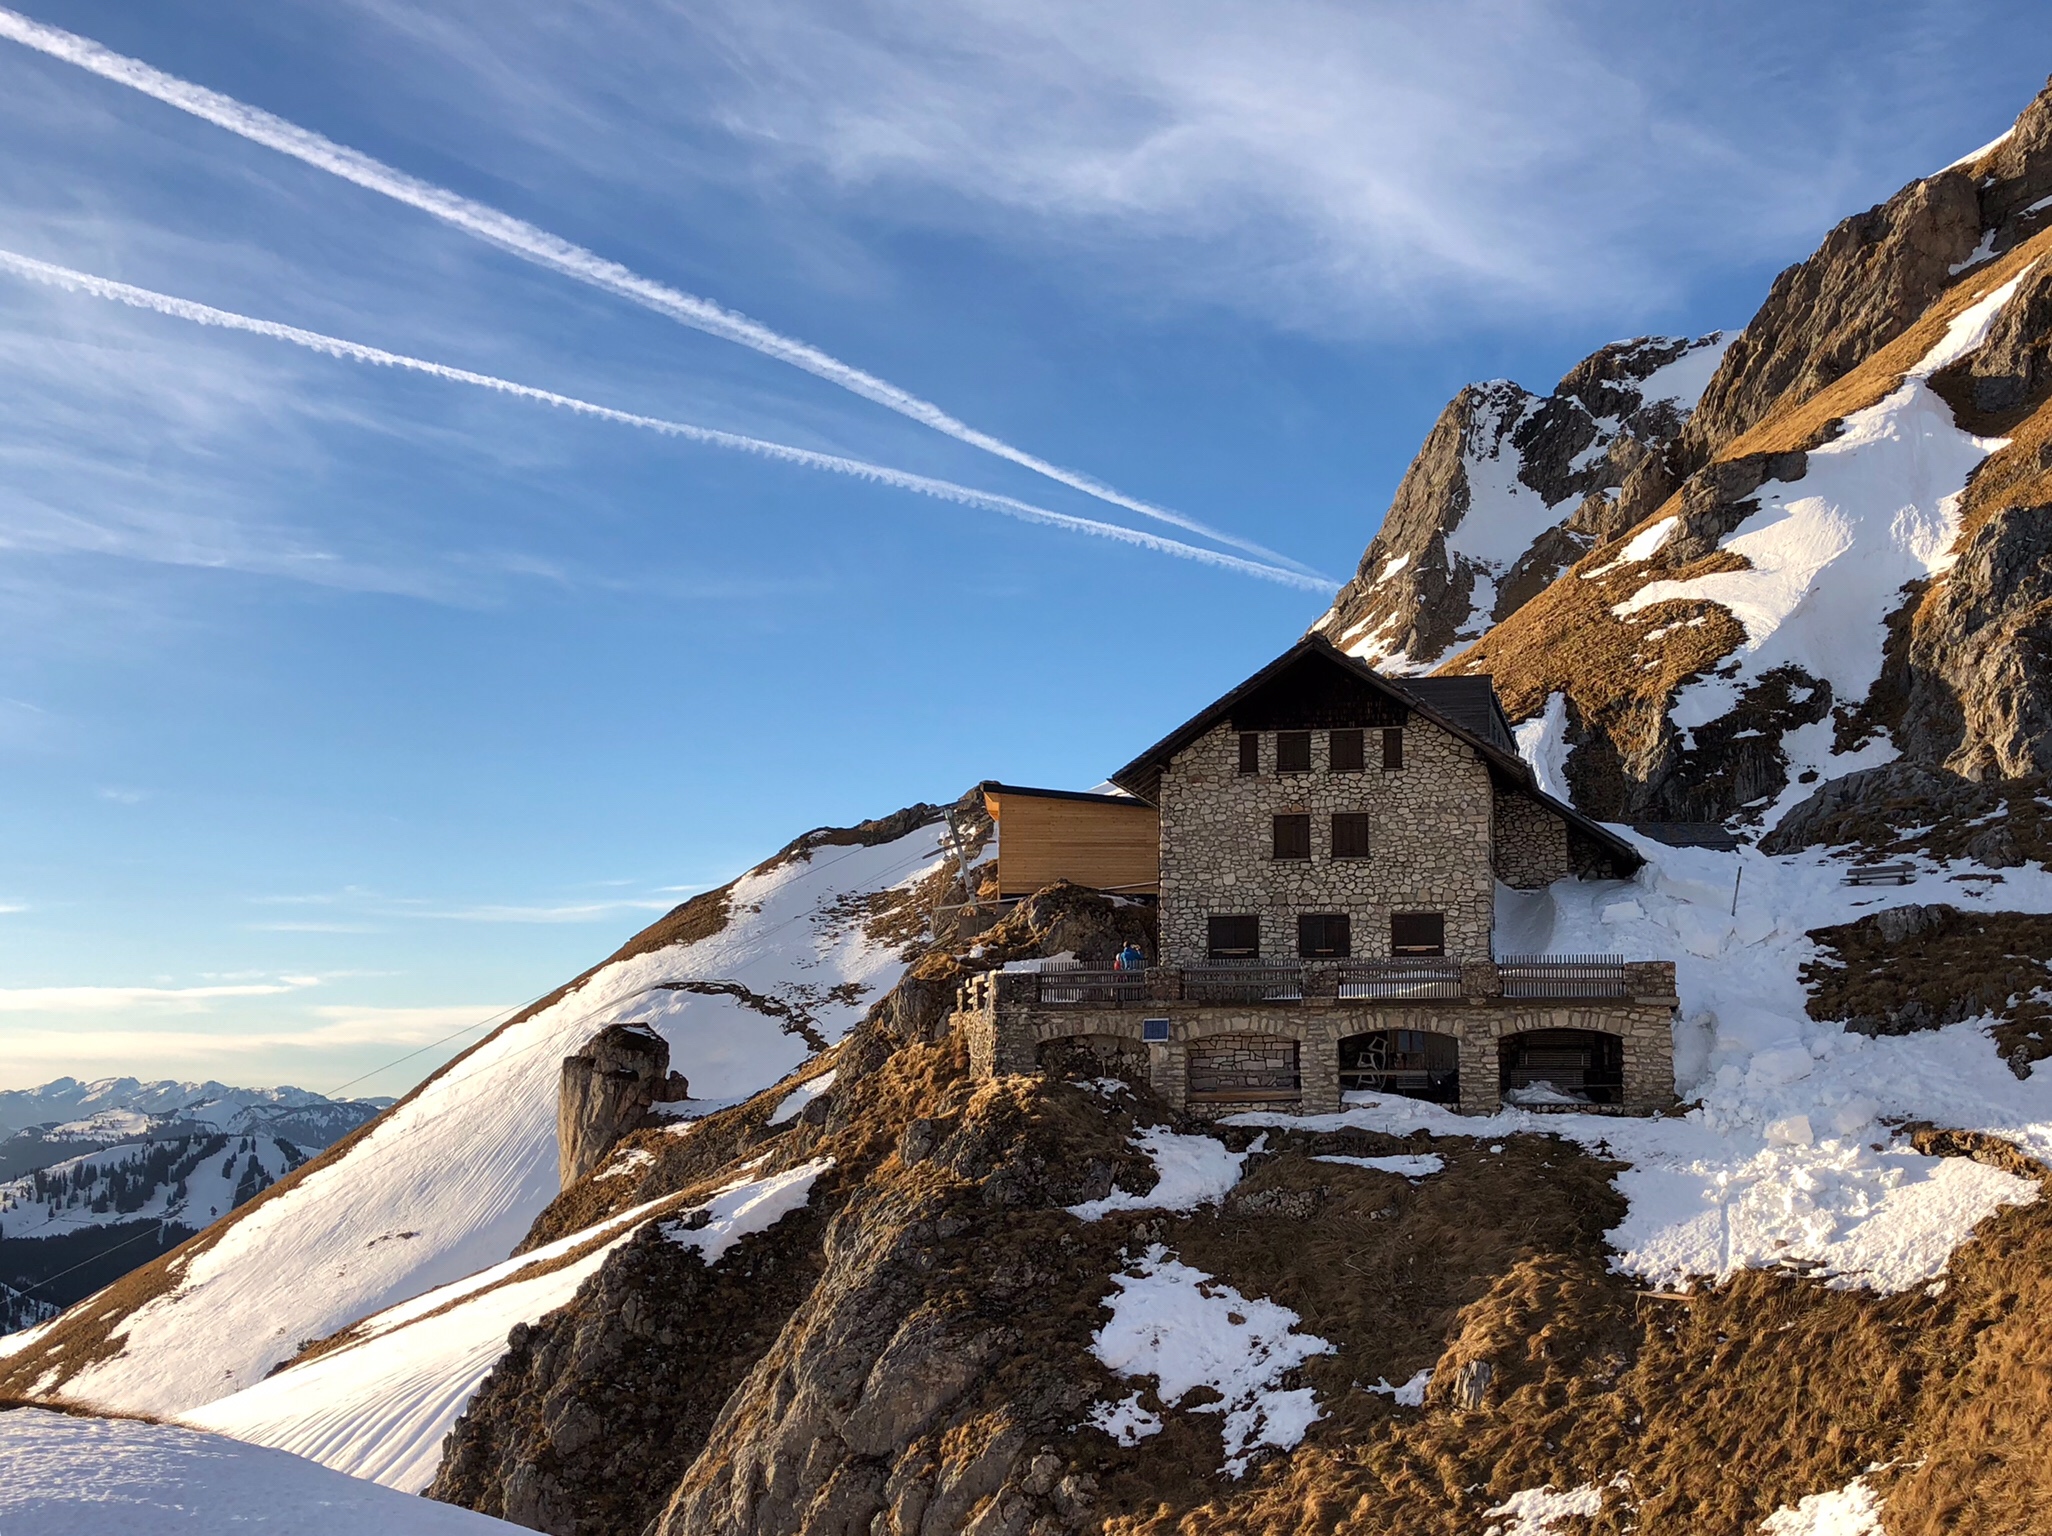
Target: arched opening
1562,1066
1093,1056
1242,1069
1409,1062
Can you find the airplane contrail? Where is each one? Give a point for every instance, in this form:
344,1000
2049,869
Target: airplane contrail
943,490
559,255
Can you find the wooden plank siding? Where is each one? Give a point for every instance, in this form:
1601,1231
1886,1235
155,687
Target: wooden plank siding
1108,842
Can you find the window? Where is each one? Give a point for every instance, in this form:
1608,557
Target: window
1417,933
1324,935
1393,747
1233,938
1350,835
1343,752
1293,837
1250,752
1292,751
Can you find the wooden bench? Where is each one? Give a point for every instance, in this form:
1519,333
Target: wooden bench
1881,874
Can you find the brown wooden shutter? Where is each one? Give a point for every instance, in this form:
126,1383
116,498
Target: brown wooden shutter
1350,835
1292,751
1417,933
1293,837
1250,752
1324,935
1344,752
1233,938
1392,747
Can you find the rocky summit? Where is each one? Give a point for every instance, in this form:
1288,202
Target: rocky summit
912,1183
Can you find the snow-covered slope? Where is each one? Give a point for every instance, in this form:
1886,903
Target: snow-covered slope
189,1180
447,1183
70,1476
123,1105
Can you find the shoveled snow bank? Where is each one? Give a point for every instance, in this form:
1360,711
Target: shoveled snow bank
1187,1330
448,1183
1194,1170
379,1407
121,1477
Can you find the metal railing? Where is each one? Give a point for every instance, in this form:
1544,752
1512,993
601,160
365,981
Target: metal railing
1399,979
1085,986
1243,981
1563,976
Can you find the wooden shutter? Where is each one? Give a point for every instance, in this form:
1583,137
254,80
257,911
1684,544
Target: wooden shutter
1343,751
1393,748
1250,752
1292,751
1293,837
1350,835
1324,935
1233,938
1417,933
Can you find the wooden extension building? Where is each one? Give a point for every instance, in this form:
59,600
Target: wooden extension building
1109,842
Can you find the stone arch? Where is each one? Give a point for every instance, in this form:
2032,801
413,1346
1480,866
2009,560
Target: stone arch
1093,1055
1416,1063
1562,1066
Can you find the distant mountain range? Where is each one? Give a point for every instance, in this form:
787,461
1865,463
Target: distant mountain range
120,1105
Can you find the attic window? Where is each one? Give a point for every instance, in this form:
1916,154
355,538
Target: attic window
1250,751
1350,835
1324,935
1417,934
1344,751
1393,747
1233,938
1293,837
1292,751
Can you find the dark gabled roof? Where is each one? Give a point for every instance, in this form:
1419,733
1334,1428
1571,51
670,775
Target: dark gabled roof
993,787
1451,703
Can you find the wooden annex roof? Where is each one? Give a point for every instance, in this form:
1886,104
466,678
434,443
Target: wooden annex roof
1311,668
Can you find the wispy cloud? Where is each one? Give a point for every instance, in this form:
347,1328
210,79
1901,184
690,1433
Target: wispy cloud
557,254
119,999
943,490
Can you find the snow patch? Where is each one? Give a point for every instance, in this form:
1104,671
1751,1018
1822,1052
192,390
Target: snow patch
1683,381
1543,744
1409,1394
1126,1421
1194,1171
1536,1511
1643,546
1854,1510
1413,1166
795,1101
743,1208
1186,1330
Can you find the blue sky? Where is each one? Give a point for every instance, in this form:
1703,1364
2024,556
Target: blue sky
340,707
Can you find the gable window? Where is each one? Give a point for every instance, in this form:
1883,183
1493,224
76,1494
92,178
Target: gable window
1343,753
1292,751
1324,935
1250,752
1393,747
1416,934
1293,837
1350,835
1233,938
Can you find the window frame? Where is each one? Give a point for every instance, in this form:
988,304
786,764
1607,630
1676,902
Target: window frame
1286,743
1216,951
1363,831
1355,739
1392,748
1419,948
1250,753
1336,929
1294,820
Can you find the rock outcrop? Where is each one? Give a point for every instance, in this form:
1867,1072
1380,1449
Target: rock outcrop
607,1090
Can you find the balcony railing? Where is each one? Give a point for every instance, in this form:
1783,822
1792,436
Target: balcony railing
1089,986
1399,980
1563,976
1243,981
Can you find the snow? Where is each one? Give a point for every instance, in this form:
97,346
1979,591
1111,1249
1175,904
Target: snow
795,1101
1854,1510
1536,1511
121,1477
1683,381
1829,554
1194,1171
1642,546
1542,743
380,1406
209,1191
1995,143
1391,567
66,1098
1413,1166
1186,1330
1410,1394
747,1206
1126,1421
449,1182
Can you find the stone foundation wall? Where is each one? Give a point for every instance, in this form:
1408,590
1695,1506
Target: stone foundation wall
1429,840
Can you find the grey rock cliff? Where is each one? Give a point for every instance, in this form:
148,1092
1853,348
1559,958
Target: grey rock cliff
606,1091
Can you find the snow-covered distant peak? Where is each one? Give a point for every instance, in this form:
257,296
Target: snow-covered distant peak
66,1100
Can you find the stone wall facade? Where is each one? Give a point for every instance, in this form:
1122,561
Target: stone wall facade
1430,843
1008,1031
1531,843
